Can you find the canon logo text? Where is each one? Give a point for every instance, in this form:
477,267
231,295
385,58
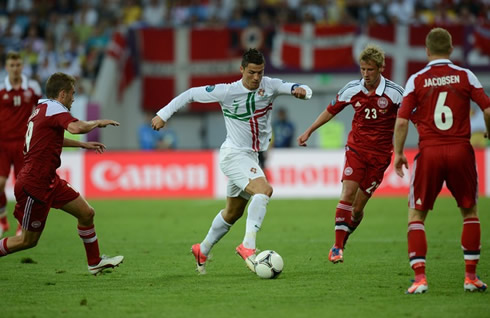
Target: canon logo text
111,175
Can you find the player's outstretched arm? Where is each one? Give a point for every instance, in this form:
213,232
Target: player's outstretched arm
83,127
97,146
107,122
301,92
321,120
157,123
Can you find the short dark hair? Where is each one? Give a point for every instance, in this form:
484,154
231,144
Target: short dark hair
13,55
59,82
253,56
439,41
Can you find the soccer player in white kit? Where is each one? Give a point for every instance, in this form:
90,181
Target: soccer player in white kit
247,108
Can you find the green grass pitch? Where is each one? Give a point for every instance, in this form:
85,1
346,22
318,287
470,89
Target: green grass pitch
158,278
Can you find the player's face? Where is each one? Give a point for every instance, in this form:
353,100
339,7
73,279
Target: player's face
252,75
370,73
68,98
14,67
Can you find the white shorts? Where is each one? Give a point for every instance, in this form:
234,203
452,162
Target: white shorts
239,166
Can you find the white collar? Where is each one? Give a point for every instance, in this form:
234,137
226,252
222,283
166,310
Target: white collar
381,86
23,85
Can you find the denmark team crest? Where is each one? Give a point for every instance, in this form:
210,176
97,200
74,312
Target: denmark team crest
382,102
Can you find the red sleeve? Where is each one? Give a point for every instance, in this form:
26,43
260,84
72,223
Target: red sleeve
336,106
63,120
478,96
407,107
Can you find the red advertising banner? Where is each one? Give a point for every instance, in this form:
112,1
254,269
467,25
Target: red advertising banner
294,173
150,175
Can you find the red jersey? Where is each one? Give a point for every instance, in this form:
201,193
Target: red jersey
43,143
375,115
16,106
437,100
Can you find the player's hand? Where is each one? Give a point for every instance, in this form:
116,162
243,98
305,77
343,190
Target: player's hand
400,162
303,139
106,122
157,123
299,92
97,146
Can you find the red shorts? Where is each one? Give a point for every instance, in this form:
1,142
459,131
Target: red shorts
454,164
365,168
11,153
33,204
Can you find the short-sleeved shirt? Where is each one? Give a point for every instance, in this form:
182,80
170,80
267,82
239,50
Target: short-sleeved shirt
375,114
246,112
437,100
43,144
16,106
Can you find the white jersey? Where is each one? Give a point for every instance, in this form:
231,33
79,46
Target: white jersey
247,113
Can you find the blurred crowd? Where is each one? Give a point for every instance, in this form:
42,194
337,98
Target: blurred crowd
71,35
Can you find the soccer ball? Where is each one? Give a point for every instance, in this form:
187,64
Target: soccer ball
268,264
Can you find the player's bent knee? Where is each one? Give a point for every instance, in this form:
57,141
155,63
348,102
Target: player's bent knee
268,191
88,214
29,242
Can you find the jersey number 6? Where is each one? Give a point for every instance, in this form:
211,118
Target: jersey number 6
446,122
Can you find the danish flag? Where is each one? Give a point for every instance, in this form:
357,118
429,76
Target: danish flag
404,48
482,38
173,60
308,47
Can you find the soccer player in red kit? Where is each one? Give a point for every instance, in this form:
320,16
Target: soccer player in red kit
38,187
18,97
375,101
437,100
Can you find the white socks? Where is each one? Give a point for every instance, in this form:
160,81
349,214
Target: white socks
218,229
256,213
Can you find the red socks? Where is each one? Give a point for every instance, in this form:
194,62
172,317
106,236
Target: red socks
417,248
470,242
343,215
87,234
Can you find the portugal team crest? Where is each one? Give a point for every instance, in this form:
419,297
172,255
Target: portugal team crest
261,92
382,102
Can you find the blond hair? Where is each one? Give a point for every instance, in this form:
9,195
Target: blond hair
373,53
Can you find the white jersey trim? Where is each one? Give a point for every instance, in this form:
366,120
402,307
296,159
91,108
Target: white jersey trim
54,107
473,80
390,88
